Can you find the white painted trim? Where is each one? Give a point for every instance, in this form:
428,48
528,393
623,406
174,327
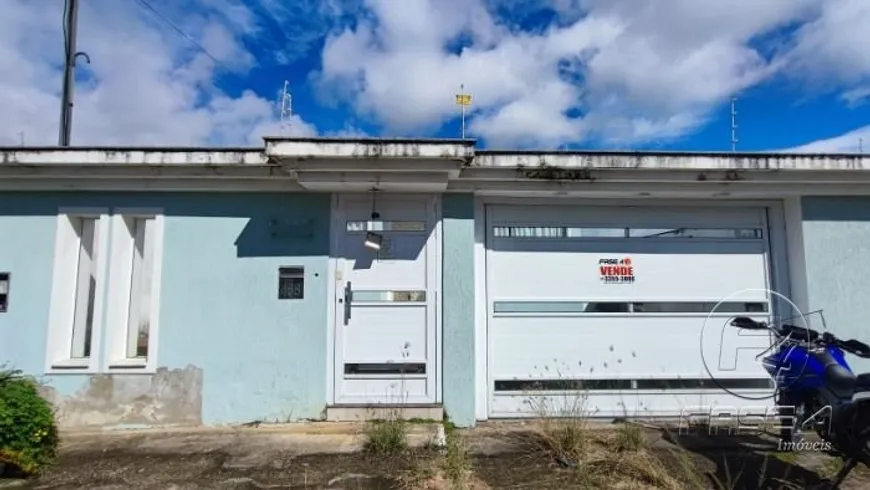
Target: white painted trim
63,293
332,287
151,184
433,263
431,182
438,229
487,211
658,189
481,338
629,160
338,281
778,247
623,202
665,185
795,253
117,310
370,149
132,156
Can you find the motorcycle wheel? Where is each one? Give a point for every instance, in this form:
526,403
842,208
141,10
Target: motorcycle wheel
788,407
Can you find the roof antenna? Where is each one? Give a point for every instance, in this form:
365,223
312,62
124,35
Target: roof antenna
733,124
286,106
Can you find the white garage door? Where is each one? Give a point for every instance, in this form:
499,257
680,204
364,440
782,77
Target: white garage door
611,306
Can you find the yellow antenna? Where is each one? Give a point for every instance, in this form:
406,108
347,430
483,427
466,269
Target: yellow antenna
463,100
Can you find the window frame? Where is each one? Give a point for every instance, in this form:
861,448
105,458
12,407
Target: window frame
560,232
61,315
115,358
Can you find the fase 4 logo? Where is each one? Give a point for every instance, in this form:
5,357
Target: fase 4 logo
616,271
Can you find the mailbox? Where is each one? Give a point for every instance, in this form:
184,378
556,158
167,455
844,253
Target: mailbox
291,283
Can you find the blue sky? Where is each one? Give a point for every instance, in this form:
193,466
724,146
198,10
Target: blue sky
625,74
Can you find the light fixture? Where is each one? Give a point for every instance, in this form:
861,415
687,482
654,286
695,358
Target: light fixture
373,240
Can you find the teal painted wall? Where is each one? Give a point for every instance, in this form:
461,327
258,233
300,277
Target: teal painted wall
458,304
836,234
261,358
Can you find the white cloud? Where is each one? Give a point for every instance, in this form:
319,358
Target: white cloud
620,71
145,83
852,142
856,96
615,72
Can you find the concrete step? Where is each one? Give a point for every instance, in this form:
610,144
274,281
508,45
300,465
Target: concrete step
360,412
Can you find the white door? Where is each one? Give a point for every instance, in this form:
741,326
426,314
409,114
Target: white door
614,300
386,299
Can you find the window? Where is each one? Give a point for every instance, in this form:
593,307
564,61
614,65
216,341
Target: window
85,288
709,233
133,295
77,289
568,232
142,270
112,260
393,226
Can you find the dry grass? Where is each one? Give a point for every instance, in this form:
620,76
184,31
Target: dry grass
630,437
602,459
449,468
386,437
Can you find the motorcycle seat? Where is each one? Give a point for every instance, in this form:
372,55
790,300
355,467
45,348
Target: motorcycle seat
840,380
862,382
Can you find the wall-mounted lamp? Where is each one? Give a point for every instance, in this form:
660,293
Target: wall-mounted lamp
374,240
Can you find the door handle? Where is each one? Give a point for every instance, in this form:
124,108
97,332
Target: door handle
348,299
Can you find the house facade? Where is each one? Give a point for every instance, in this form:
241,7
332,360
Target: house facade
319,278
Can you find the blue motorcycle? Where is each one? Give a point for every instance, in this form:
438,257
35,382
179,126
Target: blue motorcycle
817,388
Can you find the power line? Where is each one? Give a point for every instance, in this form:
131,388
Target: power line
144,4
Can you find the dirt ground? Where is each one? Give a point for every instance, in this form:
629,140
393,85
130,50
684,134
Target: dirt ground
500,457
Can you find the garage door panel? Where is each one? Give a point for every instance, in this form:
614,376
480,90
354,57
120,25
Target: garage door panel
556,316
560,274
629,348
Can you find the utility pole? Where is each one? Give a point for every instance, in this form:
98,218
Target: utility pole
70,22
733,124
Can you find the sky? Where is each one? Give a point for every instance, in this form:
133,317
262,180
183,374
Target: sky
543,74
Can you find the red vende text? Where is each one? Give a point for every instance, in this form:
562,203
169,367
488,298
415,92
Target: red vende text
616,270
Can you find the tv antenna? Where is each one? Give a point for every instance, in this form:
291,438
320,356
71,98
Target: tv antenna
861,145
286,106
733,124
